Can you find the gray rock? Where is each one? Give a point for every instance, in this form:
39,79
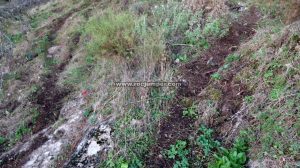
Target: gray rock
54,50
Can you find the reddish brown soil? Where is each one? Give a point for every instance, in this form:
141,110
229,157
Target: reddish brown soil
197,74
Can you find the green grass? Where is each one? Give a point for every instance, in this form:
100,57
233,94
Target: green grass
191,111
77,75
2,140
111,32
132,143
21,131
16,38
216,28
37,19
275,106
232,58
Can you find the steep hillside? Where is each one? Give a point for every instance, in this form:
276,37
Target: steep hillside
155,84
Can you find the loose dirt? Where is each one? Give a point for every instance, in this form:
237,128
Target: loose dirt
198,75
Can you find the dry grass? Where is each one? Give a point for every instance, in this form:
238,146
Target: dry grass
215,8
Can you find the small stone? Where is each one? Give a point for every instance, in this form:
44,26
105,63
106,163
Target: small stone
233,48
54,50
208,8
297,48
160,156
93,148
135,122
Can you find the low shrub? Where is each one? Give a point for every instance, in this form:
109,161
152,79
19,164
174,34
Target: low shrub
179,153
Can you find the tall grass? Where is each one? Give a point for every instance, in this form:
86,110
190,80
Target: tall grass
112,31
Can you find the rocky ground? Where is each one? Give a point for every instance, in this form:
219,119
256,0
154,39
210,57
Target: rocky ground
237,62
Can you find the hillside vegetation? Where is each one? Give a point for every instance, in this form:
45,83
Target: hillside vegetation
230,69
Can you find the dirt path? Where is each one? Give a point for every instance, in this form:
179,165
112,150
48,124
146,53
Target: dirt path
197,74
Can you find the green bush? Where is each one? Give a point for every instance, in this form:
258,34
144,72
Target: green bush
111,32
179,153
206,141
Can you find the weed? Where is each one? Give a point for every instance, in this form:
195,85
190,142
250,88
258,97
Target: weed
225,67
41,45
90,60
35,115
217,28
21,131
87,112
179,153
234,157
205,140
113,32
190,111
16,38
195,37
216,76
12,76
76,76
33,92
179,25
37,19
248,99
181,58
172,18
93,119
2,140
231,58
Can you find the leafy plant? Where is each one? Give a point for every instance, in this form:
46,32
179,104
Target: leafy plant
216,76
38,18
21,131
229,159
249,99
195,37
217,28
232,158
2,140
35,114
179,153
231,58
42,45
190,111
87,112
16,38
181,58
206,141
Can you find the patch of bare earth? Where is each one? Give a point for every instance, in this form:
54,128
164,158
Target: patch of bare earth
197,75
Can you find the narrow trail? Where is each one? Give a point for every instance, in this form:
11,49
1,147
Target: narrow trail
198,74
